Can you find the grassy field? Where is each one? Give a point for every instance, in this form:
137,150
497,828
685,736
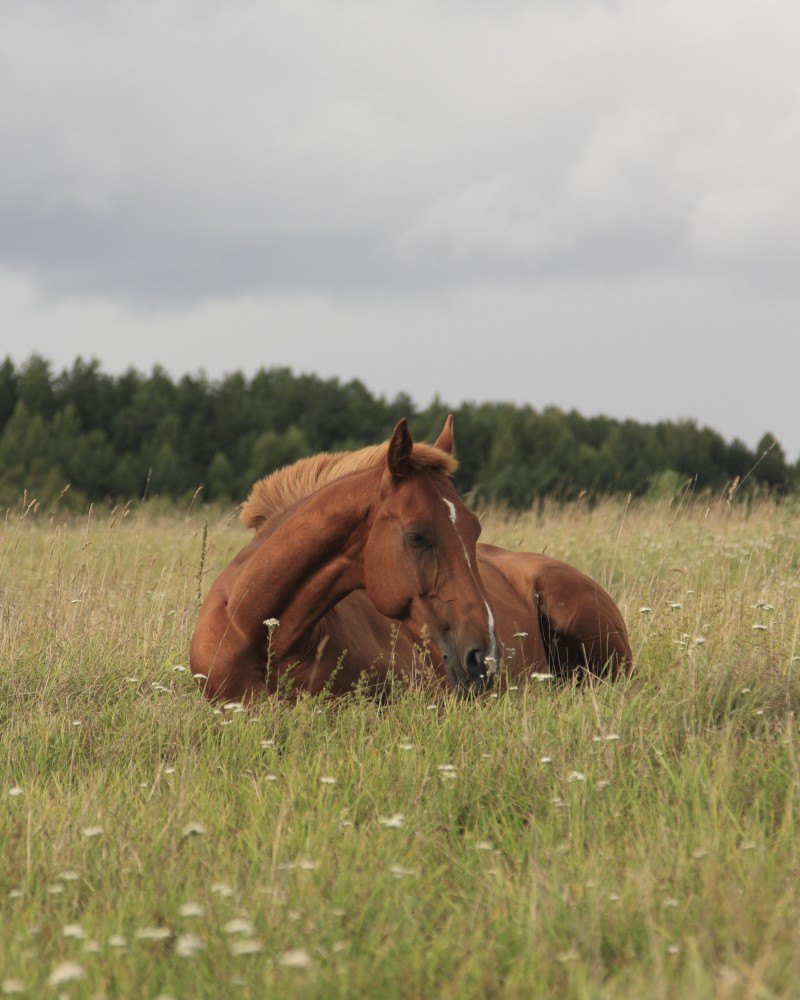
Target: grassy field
636,840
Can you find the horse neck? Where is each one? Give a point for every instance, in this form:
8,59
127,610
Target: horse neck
305,563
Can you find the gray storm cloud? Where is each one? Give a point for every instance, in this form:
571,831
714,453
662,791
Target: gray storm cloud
158,154
592,204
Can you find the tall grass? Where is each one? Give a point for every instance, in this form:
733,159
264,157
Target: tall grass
625,840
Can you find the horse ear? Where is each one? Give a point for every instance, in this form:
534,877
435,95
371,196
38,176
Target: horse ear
445,440
398,458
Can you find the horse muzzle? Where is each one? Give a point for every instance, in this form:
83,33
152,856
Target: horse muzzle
470,671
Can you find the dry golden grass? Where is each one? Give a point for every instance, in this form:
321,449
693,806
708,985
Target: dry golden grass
627,840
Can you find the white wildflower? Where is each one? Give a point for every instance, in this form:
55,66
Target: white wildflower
73,931
188,945
399,871
192,910
327,780
295,958
246,946
153,933
193,829
240,925
393,822
66,972
92,831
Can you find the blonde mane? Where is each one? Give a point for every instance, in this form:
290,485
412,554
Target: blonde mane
276,493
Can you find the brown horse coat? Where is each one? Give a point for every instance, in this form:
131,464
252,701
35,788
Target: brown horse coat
369,562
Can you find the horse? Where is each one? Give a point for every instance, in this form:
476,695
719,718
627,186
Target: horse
365,566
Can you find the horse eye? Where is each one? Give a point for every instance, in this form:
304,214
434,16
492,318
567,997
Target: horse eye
417,541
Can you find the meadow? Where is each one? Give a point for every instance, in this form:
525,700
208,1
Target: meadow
627,840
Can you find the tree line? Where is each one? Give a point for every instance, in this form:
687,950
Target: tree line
116,437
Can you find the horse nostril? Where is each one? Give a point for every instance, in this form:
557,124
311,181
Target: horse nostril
476,667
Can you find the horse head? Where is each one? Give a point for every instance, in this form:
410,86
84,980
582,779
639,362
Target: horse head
420,564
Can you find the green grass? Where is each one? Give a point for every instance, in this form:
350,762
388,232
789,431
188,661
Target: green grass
661,863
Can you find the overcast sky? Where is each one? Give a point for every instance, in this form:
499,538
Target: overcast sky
591,203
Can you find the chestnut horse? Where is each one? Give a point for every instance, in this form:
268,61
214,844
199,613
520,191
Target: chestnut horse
366,564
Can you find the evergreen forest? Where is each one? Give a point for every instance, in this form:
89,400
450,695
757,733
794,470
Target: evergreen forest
117,437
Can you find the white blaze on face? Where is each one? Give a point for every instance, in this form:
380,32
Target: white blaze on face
453,518
493,658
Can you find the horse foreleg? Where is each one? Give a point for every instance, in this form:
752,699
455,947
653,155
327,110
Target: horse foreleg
227,665
581,627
